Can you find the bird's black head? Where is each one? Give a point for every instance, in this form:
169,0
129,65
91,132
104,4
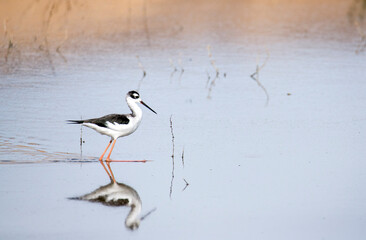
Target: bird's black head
133,94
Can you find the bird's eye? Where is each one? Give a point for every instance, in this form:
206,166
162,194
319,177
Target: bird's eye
134,94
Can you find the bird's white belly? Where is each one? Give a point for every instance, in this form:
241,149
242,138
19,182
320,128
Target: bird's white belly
116,130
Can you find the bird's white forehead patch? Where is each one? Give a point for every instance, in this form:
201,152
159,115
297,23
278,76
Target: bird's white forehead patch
134,94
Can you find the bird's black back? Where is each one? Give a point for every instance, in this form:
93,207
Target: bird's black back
102,121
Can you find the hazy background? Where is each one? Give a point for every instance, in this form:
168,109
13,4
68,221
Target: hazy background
266,100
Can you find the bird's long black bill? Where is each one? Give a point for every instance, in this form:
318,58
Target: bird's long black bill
75,121
148,107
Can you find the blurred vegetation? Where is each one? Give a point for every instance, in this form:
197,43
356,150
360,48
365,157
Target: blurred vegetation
357,11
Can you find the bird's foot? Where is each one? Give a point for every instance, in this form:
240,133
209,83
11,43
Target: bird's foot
141,161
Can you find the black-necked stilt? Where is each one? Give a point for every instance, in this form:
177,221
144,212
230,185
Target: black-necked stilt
118,194
117,125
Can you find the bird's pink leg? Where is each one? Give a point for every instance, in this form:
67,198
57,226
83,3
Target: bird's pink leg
101,160
108,160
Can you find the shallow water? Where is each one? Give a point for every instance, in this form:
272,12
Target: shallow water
291,168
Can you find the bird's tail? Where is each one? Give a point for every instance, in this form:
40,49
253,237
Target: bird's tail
75,121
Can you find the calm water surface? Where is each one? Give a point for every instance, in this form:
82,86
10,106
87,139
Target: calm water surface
289,168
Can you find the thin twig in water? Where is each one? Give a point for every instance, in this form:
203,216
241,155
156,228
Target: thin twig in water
187,184
171,130
181,67
208,78
143,72
183,157
255,77
181,74
81,141
174,69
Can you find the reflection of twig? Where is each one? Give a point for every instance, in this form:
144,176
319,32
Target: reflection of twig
212,61
10,42
213,81
174,69
255,77
171,130
38,153
148,213
185,185
362,45
144,10
5,28
129,18
11,49
47,48
59,46
181,74
143,72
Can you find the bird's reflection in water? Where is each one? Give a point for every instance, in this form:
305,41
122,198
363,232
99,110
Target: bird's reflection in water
118,194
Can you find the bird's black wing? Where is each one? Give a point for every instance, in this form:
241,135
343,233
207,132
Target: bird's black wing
102,121
112,118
